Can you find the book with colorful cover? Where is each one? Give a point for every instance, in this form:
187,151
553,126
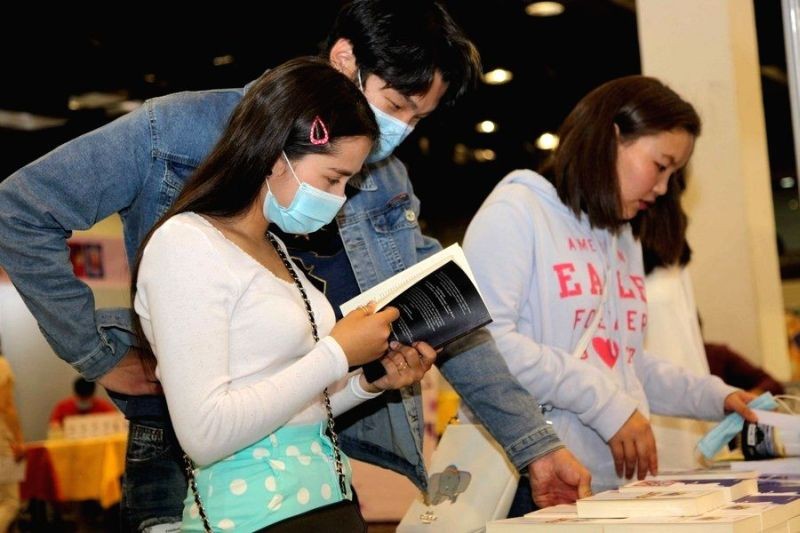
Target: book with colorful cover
778,486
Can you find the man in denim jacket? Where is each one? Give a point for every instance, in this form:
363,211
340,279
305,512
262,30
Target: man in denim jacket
136,165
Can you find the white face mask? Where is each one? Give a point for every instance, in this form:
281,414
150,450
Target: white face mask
309,210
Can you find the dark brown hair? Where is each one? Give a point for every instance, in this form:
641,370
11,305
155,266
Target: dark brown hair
584,166
275,115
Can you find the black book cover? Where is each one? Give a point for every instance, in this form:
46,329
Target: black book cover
439,308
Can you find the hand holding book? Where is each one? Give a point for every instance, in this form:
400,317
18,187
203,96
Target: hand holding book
364,336
437,298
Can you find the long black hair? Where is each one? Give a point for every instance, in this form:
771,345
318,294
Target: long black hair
276,114
404,42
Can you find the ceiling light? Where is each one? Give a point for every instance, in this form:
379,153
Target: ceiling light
95,100
222,60
544,9
547,141
482,155
498,76
424,144
486,126
460,154
20,120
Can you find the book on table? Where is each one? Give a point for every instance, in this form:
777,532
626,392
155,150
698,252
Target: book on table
717,472
732,488
711,522
773,510
616,504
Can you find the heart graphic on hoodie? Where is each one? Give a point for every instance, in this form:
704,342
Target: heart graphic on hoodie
607,349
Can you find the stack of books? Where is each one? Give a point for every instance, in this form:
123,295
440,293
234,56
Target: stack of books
701,501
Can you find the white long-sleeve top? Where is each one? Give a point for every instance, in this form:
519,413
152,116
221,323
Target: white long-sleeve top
233,343
542,271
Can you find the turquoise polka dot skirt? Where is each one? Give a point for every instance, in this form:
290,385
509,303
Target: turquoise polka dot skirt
287,473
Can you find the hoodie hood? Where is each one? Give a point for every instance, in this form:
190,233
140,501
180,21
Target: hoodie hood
543,189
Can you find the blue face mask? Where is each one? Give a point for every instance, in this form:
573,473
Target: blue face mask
393,131
309,210
731,425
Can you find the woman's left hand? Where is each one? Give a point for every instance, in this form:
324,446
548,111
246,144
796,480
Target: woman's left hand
404,365
736,402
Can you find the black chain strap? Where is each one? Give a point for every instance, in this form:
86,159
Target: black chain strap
337,455
189,467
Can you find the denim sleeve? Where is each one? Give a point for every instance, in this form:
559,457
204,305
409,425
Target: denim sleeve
71,188
478,373
425,246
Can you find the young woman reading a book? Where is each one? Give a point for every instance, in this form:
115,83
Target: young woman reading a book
559,263
251,360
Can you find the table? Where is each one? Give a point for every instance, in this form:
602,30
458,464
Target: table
75,469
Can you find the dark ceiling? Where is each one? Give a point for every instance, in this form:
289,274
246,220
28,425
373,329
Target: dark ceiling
554,60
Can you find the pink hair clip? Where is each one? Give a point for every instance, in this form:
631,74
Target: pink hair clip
319,133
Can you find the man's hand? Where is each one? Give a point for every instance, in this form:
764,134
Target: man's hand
558,477
130,377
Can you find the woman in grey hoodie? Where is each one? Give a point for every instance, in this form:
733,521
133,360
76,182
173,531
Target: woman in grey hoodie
559,262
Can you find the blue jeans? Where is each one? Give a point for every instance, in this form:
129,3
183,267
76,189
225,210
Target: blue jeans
154,484
523,499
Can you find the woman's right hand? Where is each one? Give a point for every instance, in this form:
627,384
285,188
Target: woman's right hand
364,334
634,446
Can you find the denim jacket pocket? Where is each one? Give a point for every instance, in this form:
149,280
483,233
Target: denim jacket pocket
175,177
394,225
396,215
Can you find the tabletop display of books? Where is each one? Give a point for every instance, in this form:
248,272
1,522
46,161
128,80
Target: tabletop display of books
701,501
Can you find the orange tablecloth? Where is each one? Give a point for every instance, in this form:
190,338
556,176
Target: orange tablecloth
75,469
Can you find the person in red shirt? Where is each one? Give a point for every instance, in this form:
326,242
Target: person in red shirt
83,402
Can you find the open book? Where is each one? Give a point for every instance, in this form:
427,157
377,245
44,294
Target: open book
438,300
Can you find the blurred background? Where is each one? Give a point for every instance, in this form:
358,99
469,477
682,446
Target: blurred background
75,74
